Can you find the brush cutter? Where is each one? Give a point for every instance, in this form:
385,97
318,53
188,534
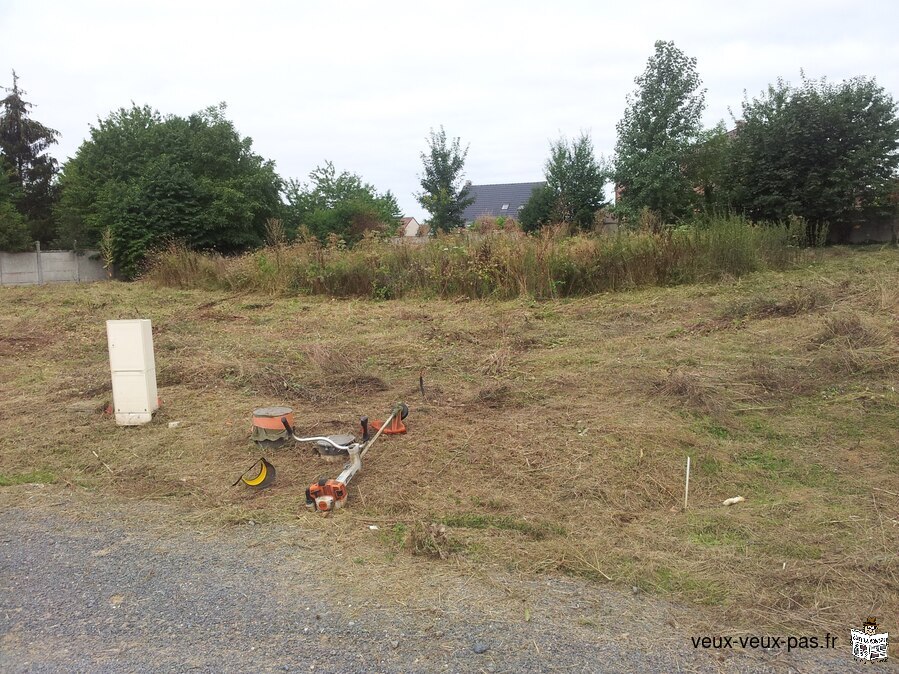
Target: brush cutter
327,495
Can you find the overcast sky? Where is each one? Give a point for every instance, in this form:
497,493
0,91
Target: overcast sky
362,83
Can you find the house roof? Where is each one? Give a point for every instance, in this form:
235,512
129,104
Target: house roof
406,221
490,199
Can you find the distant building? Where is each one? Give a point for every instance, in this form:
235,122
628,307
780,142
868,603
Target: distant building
505,199
408,227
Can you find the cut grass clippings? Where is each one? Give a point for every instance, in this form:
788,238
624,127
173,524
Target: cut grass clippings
551,436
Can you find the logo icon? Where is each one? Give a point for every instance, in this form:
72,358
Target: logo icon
867,644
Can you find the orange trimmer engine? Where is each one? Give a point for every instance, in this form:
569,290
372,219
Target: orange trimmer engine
326,495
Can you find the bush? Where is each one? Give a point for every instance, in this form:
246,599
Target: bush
141,179
487,224
14,233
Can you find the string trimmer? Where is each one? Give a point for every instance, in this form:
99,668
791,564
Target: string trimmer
326,495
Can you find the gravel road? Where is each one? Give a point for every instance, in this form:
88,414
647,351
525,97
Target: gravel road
120,589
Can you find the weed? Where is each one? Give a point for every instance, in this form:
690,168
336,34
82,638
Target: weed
765,460
499,263
483,521
394,536
718,531
431,540
708,465
719,432
34,477
701,590
793,550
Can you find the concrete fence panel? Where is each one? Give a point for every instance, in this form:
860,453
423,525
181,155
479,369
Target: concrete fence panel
18,269
90,267
51,266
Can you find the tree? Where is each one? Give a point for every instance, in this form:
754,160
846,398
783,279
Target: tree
661,122
538,210
340,204
707,166
574,189
445,196
24,142
14,234
142,178
825,152
577,180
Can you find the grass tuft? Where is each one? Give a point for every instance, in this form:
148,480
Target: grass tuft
34,477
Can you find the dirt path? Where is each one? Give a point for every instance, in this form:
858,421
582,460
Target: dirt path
117,587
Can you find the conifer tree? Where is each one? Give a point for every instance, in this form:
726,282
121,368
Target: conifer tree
23,145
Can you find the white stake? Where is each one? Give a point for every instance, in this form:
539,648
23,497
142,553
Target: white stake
687,484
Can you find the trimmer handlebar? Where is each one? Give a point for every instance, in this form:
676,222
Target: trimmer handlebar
317,438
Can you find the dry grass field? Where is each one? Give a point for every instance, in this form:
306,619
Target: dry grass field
551,437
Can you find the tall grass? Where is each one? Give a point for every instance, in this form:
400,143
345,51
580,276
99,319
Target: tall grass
501,264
